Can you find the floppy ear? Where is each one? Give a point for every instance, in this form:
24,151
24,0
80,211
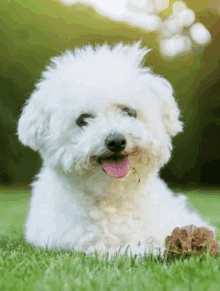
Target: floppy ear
170,112
32,125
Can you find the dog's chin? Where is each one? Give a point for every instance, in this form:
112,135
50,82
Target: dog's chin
116,165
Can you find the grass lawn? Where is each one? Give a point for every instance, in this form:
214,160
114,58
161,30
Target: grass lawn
22,267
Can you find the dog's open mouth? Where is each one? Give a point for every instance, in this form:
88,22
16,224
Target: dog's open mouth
116,166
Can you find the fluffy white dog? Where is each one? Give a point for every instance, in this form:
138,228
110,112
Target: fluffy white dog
102,124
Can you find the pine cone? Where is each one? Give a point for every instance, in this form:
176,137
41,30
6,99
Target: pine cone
191,239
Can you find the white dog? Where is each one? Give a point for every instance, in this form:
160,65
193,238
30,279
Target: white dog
102,124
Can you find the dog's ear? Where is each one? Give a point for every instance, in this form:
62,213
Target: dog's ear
169,109
170,112
33,123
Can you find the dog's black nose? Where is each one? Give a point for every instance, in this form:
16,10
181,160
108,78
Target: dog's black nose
115,142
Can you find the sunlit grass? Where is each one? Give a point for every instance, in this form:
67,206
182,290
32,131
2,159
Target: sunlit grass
22,267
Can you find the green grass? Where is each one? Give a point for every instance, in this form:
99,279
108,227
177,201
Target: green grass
22,267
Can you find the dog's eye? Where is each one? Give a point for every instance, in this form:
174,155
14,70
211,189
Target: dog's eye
131,112
81,120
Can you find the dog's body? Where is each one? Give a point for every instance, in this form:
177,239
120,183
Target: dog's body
103,126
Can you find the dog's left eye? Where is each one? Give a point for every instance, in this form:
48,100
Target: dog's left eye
130,111
81,120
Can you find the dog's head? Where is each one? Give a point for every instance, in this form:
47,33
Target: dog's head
99,108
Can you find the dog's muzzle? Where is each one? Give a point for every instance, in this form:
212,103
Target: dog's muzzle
115,164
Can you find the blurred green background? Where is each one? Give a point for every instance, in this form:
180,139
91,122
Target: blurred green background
31,31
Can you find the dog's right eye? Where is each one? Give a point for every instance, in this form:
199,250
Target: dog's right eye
81,120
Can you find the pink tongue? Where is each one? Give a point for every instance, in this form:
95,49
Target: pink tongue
116,169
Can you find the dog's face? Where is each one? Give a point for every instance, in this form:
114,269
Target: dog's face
113,136
110,114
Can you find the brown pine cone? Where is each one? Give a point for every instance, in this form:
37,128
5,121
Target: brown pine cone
191,239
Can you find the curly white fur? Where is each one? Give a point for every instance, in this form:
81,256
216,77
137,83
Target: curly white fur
75,204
